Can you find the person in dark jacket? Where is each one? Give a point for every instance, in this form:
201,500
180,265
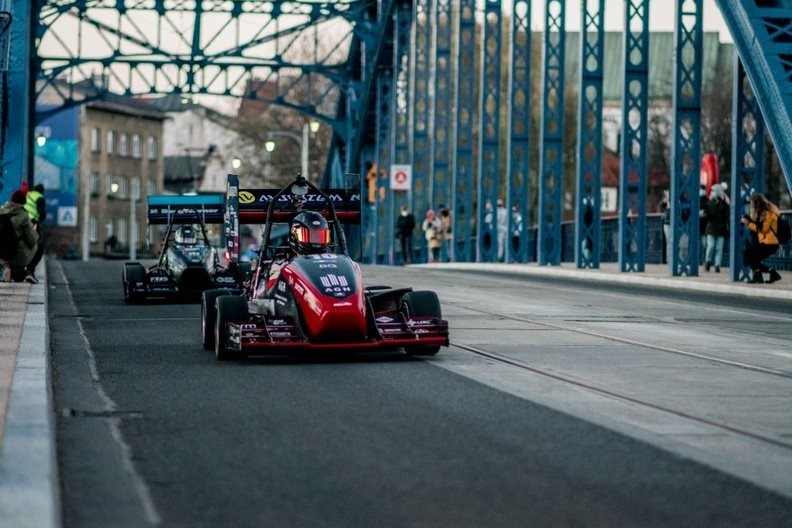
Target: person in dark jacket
14,266
716,211
405,225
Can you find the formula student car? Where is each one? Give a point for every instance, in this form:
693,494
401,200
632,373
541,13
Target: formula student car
308,294
188,264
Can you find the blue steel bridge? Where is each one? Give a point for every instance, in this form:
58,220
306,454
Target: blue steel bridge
442,86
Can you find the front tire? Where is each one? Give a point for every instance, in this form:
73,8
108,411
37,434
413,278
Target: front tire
229,308
133,273
421,304
208,312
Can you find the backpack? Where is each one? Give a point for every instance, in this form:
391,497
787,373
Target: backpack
8,237
783,233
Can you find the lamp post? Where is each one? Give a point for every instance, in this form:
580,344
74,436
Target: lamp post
313,126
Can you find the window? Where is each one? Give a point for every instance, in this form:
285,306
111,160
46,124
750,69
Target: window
123,187
95,184
96,140
121,228
137,147
111,141
151,186
93,234
152,148
134,187
123,145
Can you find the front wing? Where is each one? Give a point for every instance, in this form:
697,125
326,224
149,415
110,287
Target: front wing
281,333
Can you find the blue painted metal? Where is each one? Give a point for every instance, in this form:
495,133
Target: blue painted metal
762,32
442,121
400,107
489,133
748,162
551,169
635,103
519,163
686,144
15,165
383,244
589,158
463,149
422,115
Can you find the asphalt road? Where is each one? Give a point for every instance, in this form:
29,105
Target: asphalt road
153,431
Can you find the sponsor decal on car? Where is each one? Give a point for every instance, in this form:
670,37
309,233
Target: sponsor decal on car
159,279
225,280
419,322
384,319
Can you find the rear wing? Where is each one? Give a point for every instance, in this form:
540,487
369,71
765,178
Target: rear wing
180,209
260,206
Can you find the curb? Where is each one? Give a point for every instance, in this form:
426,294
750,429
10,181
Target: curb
29,484
678,283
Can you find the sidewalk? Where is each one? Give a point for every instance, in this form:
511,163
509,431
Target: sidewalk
29,494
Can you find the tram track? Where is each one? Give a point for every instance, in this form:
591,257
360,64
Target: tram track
622,340
621,395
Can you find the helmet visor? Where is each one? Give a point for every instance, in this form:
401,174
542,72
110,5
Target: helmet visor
312,236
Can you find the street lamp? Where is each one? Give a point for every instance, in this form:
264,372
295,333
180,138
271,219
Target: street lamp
236,163
269,145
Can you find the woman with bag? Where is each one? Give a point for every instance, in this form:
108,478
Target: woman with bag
762,219
432,229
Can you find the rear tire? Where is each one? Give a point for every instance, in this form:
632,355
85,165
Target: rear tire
133,272
229,308
421,304
208,311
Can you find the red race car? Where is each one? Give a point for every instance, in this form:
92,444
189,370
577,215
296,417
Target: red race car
305,293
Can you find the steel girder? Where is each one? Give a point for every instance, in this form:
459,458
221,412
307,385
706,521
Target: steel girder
422,116
748,163
686,144
15,81
382,246
589,157
551,167
519,161
443,84
762,31
635,103
464,184
489,135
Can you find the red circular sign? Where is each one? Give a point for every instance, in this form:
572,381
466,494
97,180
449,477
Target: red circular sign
401,177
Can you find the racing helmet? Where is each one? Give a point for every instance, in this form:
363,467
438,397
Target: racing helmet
185,235
309,233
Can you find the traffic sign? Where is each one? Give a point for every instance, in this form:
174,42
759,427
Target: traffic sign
401,177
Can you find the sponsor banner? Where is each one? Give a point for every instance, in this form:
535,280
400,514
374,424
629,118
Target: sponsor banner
186,209
260,199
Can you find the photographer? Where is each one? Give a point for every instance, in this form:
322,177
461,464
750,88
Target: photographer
762,220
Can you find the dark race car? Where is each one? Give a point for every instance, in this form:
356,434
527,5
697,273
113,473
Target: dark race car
308,294
188,264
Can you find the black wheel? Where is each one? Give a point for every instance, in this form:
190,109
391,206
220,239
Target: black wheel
133,272
229,308
208,311
421,304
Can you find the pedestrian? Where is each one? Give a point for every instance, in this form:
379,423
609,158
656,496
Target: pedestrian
665,208
702,222
432,229
762,220
19,240
405,225
502,217
447,224
717,213
36,207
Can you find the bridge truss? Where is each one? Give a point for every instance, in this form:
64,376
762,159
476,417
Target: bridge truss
397,80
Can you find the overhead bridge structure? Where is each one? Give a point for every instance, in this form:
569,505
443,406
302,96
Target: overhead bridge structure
443,87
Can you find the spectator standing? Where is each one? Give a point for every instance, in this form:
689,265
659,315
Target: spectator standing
447,224
717,213
503,218
18,254
762,219
405,225
432,229
36,207
665,208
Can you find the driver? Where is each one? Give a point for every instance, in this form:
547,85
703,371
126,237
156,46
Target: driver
309,234
185,236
